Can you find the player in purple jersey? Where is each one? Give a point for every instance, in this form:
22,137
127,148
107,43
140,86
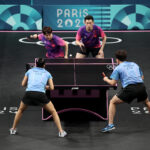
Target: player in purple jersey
52,43
131,78
88,39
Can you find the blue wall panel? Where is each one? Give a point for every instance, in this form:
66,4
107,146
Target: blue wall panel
71,17
109,17
73,2
110,14
20,17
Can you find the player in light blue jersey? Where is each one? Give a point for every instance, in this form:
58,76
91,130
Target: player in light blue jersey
131,78
36,80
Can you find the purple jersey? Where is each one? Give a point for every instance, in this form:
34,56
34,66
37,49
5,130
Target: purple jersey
90,39
53,46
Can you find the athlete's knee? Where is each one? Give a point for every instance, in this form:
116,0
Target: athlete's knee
100,56
79,55
21,110
115,100
147,102
52,111
112,102
49,107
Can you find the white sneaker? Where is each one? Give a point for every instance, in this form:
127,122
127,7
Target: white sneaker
62,134
13,131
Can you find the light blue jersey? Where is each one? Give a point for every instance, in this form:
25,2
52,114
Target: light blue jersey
128,73
37,79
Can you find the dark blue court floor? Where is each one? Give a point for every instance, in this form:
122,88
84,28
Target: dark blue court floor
132,121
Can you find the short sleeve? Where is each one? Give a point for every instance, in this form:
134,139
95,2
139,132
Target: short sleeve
101,32
141,73
40,36
78,35
115,75
61,42
27,73
49,76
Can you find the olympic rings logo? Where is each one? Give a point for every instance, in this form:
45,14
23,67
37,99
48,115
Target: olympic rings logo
115,41
111,67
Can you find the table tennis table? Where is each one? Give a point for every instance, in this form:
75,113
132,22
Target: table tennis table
79,85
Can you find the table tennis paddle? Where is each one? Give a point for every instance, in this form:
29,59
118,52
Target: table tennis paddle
103,74
83,48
